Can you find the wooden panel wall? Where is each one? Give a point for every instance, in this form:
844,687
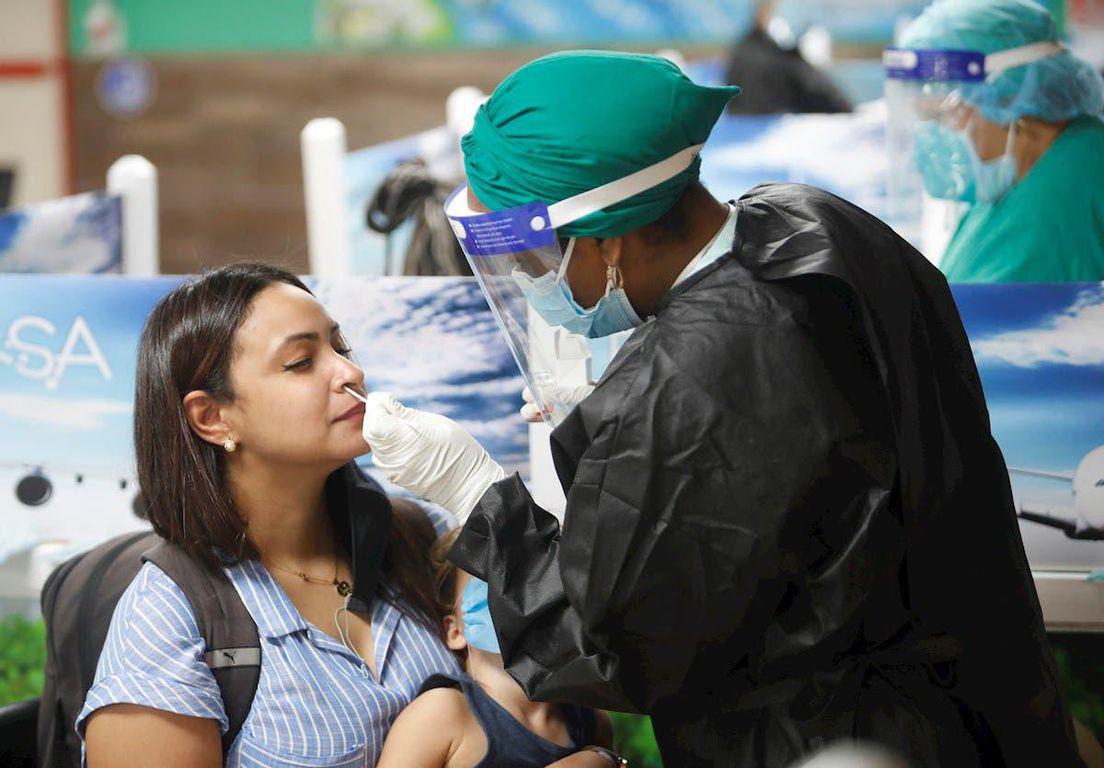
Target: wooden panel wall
224,135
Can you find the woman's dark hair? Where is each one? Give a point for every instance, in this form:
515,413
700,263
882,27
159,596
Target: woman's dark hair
444,582
409,563
444,573
189,344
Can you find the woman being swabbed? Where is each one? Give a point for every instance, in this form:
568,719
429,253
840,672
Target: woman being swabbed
482,718
246,435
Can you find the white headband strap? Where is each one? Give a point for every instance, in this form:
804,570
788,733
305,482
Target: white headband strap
998,62
593,200
586,203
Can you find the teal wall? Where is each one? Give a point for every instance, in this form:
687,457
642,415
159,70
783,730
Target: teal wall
198,26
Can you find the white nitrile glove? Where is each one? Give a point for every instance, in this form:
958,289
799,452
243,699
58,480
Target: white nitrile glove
531,412
429,455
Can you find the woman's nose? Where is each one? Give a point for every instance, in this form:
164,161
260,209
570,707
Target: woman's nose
348,373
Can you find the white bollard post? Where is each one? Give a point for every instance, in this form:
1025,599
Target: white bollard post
323,146
460,108
673,55
134,178
816,46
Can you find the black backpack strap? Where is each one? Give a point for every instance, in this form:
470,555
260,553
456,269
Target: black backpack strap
78,601
52,743
233,647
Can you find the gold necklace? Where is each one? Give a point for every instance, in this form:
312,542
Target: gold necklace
340,585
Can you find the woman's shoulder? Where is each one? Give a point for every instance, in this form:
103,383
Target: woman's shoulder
154,601
153,653
153,632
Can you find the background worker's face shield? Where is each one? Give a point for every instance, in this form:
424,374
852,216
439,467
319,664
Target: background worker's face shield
520,261
929,99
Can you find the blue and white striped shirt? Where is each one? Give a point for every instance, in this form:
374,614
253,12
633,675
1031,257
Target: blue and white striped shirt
317,703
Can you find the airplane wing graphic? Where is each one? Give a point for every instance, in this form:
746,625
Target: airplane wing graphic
1063,476
1066,525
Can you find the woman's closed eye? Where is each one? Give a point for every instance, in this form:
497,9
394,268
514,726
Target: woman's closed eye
305,363
299,365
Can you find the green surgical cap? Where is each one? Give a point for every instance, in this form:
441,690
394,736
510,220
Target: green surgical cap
569,122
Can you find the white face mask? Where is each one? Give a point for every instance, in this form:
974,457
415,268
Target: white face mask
993,178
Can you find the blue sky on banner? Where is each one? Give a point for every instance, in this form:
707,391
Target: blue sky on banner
434,343
81,233
67,361
67,367
1040,354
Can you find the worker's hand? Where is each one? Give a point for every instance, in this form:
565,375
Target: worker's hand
429,455
531,411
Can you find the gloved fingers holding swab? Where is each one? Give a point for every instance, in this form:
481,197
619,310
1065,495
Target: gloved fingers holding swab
383,423
428,454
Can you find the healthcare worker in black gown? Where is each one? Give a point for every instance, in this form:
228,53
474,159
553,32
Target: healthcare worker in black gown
787,521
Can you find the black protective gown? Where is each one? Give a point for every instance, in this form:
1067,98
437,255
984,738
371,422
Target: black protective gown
787,520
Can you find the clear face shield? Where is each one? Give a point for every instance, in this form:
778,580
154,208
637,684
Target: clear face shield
521,262
931,154
508,251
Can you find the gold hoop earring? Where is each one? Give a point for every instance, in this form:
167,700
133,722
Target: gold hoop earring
229,445
615,278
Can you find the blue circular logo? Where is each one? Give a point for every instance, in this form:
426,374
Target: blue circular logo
124,87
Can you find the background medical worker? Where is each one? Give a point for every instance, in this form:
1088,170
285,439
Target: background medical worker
1022,143
787,522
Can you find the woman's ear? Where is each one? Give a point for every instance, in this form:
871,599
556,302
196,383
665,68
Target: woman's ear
205,417
454,634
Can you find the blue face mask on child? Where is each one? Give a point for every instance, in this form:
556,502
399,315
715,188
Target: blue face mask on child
550,296
476,615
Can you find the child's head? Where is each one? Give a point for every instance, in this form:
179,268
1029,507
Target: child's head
462,599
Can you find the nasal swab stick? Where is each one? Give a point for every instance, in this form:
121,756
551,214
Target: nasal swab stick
355,394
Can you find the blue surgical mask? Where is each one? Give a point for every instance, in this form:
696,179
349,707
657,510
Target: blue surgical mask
550,296
952,170
943,157
476,615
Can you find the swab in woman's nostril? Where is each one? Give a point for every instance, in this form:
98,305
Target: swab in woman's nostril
354,393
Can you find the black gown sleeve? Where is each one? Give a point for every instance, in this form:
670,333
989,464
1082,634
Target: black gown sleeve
675,513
